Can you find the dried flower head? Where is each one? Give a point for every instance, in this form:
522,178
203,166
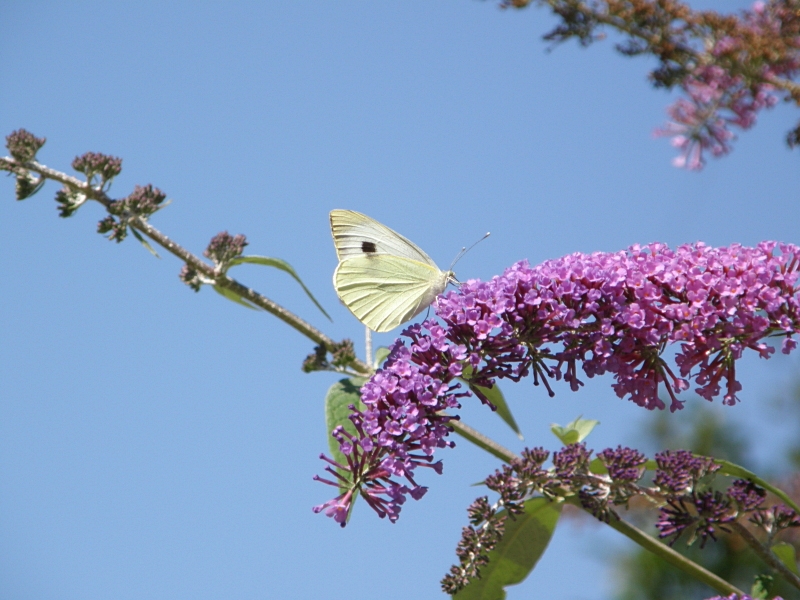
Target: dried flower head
191,277
141,203
98,166
224,247
23,145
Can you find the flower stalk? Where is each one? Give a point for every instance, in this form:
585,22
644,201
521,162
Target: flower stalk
669,555
76,192
766,554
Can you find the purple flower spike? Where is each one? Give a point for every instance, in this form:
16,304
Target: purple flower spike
617,312
602,313
401,427
747,495
623,464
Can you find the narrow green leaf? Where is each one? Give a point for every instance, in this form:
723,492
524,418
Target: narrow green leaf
574,432
734,470
340,396
786,553
481,442
495,396
283,266
143,241
524,542
234,297
381,354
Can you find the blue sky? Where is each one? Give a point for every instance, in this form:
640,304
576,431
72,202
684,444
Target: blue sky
157,443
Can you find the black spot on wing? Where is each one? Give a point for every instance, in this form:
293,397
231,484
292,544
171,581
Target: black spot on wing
368,247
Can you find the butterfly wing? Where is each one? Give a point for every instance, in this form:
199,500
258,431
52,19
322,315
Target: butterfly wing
383,291
356,235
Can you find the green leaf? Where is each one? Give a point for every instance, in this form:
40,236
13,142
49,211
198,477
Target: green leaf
597,467
523,543
340,396
283,266
234,297
786,553
493,395
574,432
143,241
381,353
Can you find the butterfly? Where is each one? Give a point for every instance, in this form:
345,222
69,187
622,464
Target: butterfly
382,277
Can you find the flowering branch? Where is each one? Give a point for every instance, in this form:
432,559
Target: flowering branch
681,488
131,213
729,67
608,312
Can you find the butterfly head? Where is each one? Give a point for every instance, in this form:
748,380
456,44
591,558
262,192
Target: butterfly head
450,277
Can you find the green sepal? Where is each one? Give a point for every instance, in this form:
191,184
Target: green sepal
574,432
493,395
283,266
27,185
761,587
597,467
525,539
786,553
340,396
234,297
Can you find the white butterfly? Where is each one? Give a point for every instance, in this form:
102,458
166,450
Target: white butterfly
382,277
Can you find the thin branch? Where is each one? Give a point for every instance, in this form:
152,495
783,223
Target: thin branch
668,554
693,27
219,279
785,84
766,554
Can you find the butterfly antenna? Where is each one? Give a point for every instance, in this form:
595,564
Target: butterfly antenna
463,251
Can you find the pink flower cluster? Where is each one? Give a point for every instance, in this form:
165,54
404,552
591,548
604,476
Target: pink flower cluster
717,99
606,312
697,124
402,426
617,312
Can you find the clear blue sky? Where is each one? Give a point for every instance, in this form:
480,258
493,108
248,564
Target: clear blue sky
157,443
